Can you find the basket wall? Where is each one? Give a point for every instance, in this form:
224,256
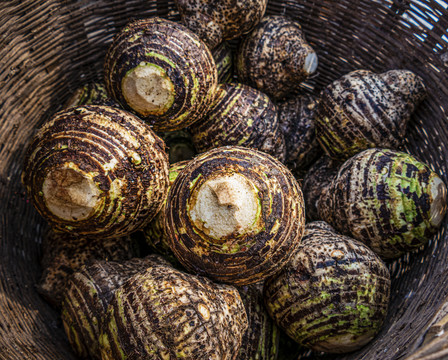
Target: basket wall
48,48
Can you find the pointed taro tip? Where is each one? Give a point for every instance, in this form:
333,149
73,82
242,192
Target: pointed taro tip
311,63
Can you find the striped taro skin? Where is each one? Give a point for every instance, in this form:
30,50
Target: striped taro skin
261,250
333,295
154,233
186,69
297,125
386,199
316,180
261,339
224,62
364,110
240,116
96,170
218,20
275,58
88,294
63,255
168,314
90,94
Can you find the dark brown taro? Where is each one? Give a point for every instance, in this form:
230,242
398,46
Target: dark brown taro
167,314
296,123
224,62
261,340
364,110
161,71
63,255
316,180
90,94
242,116
96,171
275,58
333,295
387,199
89,292
155,234
218,20
235,215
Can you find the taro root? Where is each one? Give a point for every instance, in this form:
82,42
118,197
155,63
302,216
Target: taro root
161,71
154,233
180,145
297,125
96,171
62,255
364,110
275,58
261,339
218,20
90,94
243,116
386,199
316,180
167,314
333,295
89,292
235,215
224,62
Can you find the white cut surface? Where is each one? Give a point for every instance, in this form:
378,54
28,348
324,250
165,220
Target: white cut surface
438,201
148,90
70,195
310,63
225,205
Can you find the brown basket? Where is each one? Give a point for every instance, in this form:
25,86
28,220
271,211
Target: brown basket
50,47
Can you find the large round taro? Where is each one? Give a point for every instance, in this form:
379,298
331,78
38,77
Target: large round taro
333,295
235,215
218,20
387,199
161,71
96,170
63,255
243,116
275,57
164,313
89,292
364,110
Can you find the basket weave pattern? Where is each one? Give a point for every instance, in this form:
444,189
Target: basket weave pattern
49,48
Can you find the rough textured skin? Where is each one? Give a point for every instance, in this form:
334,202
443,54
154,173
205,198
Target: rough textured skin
154,233
363,110
252,256
218,20
168,314
90,94
261,340
89,292
296,123
272,57
316,180
63,255
224,62
117,152
384,199
184,58
333,295
243,116
179,144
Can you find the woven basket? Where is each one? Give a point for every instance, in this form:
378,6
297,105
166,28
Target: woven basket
50,47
